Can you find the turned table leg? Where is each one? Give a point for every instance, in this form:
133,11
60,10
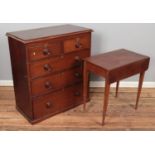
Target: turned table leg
117,87
106,97
141,78
85,85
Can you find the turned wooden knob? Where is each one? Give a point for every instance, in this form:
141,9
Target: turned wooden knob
78,61
48,104
77,74
77,93
77,58
48,85
78,44
47,67
46,52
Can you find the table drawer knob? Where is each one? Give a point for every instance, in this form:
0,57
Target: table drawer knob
48,105
48,85
47,67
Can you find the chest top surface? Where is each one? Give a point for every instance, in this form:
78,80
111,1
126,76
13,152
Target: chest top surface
47,33
115,59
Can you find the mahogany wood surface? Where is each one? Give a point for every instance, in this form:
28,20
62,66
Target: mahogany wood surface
44,50
141,78
27,36
47,64
54,102
56,81
115,66
77,43
57,64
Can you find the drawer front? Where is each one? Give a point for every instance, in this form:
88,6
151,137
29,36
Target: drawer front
44,50
57,102
77,43
128,70
53,65
57,81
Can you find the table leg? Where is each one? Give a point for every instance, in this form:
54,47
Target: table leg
85,85
117,87
141,78
106,97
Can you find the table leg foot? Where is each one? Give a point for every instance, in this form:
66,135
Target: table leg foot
85,85
141,78
117,87
106,97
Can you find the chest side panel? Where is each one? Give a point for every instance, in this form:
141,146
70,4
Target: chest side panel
20,76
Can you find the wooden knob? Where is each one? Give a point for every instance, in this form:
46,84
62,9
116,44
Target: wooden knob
48,105
77,93
46,52
78,44
77,61
77,74
47,67
48,85
77,58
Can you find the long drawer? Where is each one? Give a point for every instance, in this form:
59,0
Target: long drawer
56,81
56,64
57,101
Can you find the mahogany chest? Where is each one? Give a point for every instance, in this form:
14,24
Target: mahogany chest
47,69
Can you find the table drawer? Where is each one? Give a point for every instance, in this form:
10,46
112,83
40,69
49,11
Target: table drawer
57,101
44,50
77,43
56,81
128,70
52,65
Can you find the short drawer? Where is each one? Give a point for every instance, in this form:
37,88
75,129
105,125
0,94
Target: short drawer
53,65
77,43
44,50
57,101
56,81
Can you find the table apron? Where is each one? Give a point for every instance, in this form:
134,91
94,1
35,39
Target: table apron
127,71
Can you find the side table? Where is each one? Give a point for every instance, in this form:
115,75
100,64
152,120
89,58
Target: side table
114,66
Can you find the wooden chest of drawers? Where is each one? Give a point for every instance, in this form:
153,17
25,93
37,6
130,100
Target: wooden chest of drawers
47,69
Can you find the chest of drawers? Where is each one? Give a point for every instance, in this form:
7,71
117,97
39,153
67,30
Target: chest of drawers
47,69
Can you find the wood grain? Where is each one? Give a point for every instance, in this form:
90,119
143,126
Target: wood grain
121,114
41,54
52,32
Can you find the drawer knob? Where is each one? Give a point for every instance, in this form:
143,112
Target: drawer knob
78,44
34,53
77,58
77,74
48,85
77,93
47,67
48,105
46,52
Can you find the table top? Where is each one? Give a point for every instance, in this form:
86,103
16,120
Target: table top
47,32
116,59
